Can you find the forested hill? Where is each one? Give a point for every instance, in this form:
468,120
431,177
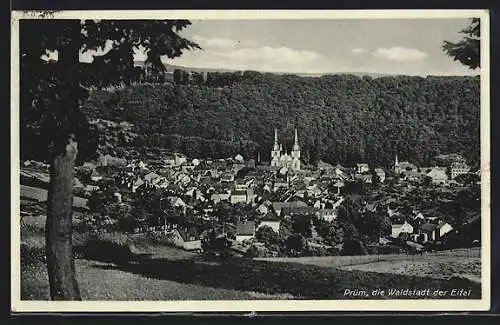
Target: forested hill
344,118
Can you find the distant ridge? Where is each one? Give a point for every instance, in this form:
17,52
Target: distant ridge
172,67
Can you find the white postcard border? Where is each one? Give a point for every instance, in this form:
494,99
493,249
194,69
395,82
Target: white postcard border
483,304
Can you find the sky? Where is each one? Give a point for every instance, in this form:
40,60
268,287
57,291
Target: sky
386,46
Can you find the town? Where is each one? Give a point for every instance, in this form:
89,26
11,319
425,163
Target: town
248,207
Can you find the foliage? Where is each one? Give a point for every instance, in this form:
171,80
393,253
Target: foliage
467,51
295,244
52,122
216,246
353,247
331,232
302,224
267,235
416,117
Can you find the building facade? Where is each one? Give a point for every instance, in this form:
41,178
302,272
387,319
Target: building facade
280,158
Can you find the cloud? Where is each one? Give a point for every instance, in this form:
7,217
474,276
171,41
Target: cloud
400,54
358,51
222,43
260,58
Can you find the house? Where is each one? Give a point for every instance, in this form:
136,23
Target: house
245,230
458,168
278,185
118,197
429,229
95,177
194,193
365,178
443,228
398,226
362,168
290,211
271,221
436,231
150,177
186,239
411,176
169,160
238,197
138,183
218,197
163,183
250,196
380,173
404,166
327,214
180,159
437,175
278,206
187,168
227,178
419,216
176,201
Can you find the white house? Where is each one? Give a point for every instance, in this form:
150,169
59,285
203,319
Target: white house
185,240
238,197
362,167
176,201
398,228
273,223
437,175
180,159
217,197
142,165
139,182
443,228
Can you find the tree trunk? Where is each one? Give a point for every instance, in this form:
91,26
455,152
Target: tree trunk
59,227
59,243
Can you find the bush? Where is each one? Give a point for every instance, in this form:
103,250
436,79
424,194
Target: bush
31,256
353,247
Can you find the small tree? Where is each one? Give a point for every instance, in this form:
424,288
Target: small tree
295,244
267,235
301,224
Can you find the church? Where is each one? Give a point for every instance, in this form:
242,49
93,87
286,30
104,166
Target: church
279,158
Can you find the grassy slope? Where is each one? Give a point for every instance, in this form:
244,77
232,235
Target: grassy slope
176,275
103,281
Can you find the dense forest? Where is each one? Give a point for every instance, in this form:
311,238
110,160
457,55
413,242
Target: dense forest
340,118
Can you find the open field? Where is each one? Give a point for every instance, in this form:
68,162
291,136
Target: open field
443,264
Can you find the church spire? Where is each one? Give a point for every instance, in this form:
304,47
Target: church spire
296,144
276,145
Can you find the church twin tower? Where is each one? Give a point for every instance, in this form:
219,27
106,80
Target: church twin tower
279,158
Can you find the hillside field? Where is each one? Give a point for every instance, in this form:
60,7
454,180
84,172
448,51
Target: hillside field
464,263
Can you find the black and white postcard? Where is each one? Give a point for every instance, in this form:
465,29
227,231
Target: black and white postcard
252,160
